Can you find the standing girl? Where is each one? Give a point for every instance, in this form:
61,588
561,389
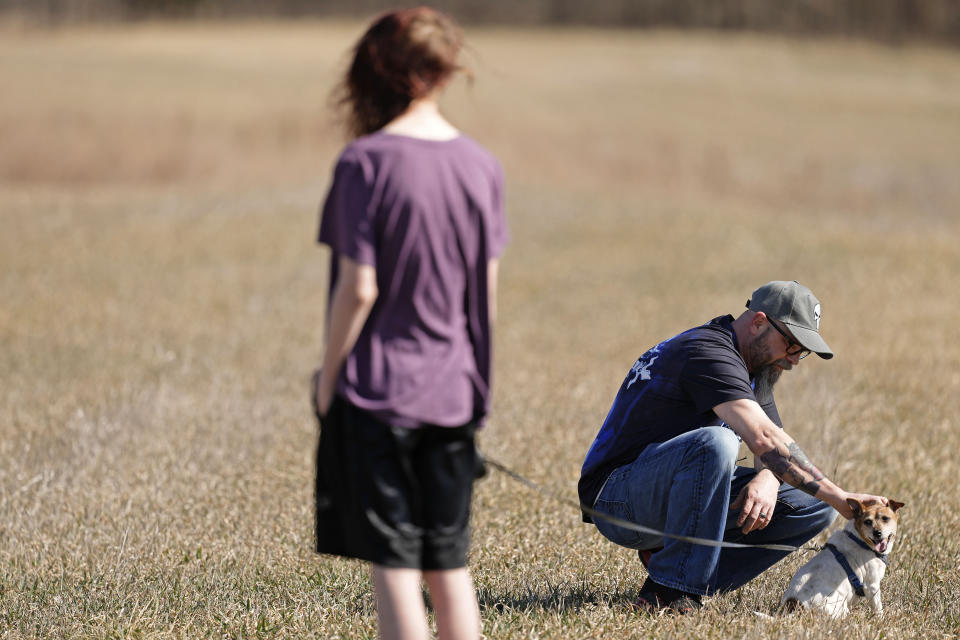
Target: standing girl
415,222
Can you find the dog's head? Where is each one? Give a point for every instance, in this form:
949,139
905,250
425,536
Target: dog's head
876,523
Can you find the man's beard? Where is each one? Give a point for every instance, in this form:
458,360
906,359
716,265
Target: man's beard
764,380
764,375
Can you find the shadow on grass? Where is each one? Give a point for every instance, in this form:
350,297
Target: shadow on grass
556,598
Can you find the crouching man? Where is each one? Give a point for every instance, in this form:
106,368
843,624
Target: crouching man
666,455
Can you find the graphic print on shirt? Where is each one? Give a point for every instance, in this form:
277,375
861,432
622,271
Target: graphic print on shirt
641,368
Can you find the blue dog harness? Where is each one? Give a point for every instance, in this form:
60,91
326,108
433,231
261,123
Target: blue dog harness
851,576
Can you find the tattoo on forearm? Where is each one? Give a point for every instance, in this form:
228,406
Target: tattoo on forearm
798,456
795,468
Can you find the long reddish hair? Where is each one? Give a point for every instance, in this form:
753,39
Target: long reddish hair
403,56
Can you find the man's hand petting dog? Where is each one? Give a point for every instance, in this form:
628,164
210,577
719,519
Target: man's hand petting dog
865,499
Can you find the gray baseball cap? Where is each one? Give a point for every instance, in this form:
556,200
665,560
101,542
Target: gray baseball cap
795,306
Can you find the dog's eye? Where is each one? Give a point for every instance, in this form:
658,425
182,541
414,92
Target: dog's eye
868,521
885,518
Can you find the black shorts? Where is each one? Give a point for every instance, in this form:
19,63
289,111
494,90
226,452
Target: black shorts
394,496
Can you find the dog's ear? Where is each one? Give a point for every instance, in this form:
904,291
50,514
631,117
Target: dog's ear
855,506
895,505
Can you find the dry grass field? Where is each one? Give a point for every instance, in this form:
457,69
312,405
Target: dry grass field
162,304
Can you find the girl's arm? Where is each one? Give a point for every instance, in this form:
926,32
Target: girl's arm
493,269
353,297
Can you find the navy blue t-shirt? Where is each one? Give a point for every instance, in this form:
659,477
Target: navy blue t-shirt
670,390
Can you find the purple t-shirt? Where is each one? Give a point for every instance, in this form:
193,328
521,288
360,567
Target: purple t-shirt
428,216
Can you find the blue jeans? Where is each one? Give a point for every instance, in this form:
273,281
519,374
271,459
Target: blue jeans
685,486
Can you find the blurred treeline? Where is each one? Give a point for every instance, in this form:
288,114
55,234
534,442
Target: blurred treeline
890,20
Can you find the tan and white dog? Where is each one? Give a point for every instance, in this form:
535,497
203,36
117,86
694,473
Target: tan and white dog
851,564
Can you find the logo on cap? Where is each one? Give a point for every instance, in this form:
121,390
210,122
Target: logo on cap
816,315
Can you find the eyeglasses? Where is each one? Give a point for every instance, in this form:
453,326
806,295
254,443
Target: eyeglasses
794,348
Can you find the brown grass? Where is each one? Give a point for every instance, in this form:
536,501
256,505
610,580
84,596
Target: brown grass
163,298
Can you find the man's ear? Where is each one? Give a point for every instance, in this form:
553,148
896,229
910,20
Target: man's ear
855,506
757,322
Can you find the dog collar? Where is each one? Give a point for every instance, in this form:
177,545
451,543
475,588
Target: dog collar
851,576
863,544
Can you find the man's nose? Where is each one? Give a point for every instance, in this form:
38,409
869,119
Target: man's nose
793,358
